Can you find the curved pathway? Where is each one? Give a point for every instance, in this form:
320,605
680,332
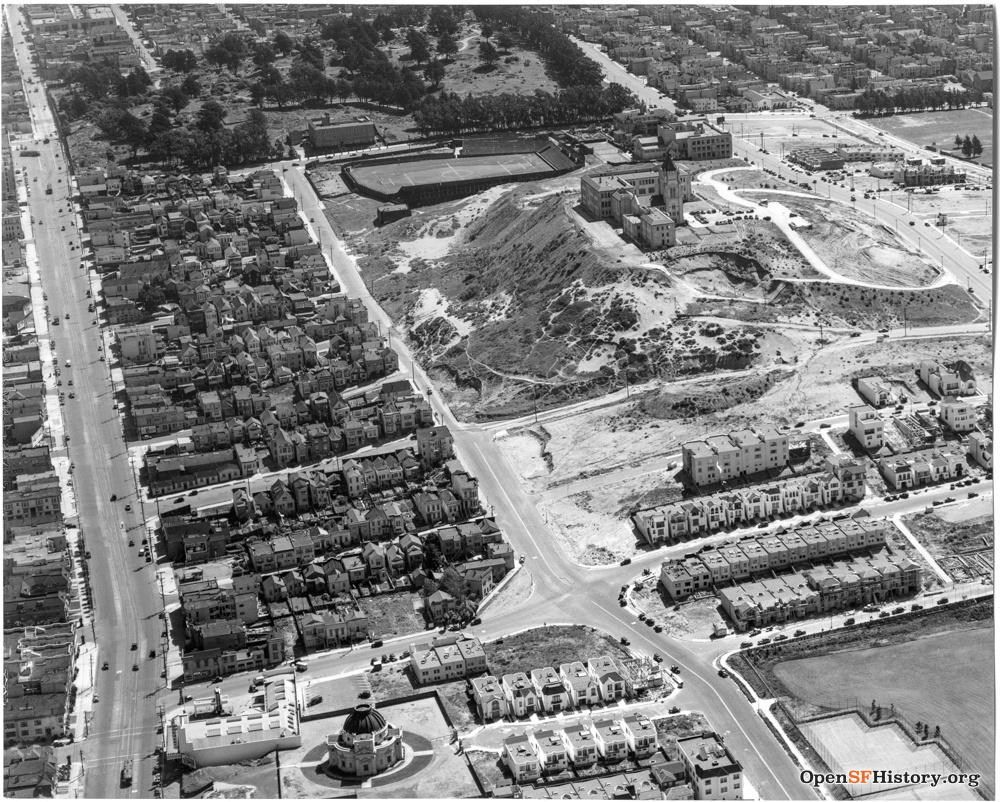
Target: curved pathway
781,216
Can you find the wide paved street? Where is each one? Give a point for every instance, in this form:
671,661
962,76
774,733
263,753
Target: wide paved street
126,600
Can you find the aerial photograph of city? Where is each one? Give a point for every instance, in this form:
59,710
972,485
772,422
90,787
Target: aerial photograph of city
556,401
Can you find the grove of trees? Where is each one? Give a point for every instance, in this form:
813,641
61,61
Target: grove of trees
919,98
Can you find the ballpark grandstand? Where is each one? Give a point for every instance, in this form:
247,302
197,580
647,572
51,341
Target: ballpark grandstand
435,177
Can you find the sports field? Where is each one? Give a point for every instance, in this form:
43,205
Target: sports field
847,743
945,680
390,178
940,128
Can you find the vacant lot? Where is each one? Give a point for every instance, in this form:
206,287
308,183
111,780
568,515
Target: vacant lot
392,614
855,247
389,178
939,128
909,675
549,646
793,131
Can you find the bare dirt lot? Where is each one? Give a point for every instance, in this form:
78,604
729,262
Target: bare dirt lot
963,547
854,246
790,131
549,646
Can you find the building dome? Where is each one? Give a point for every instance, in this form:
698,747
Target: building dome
365,720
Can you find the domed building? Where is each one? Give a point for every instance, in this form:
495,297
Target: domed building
366,745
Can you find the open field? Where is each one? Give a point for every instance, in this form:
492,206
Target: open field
390,178
909,675
940,128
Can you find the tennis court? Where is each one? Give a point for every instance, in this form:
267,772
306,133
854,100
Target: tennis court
390,178
846,743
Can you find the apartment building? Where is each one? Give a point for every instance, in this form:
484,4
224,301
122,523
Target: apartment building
712,566
957,415
925,175
725,457
867,427
711,768
446,659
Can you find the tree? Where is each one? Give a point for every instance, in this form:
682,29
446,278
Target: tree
441,21
420,49
159,122
175,96
486,29
210,116
977,146
263,54
488,53
131,131
191,86
958,140
967,146
283,43
257,93
434,72
180,60
447,45
311,52
505,41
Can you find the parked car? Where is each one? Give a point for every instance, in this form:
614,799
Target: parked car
723,673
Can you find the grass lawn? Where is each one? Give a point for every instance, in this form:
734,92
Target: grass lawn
944,679
392,614
941,127
549,646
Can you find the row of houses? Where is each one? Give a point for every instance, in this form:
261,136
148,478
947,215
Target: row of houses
820,590
734,561
41,606
840,482
926,466
577,685
695,767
